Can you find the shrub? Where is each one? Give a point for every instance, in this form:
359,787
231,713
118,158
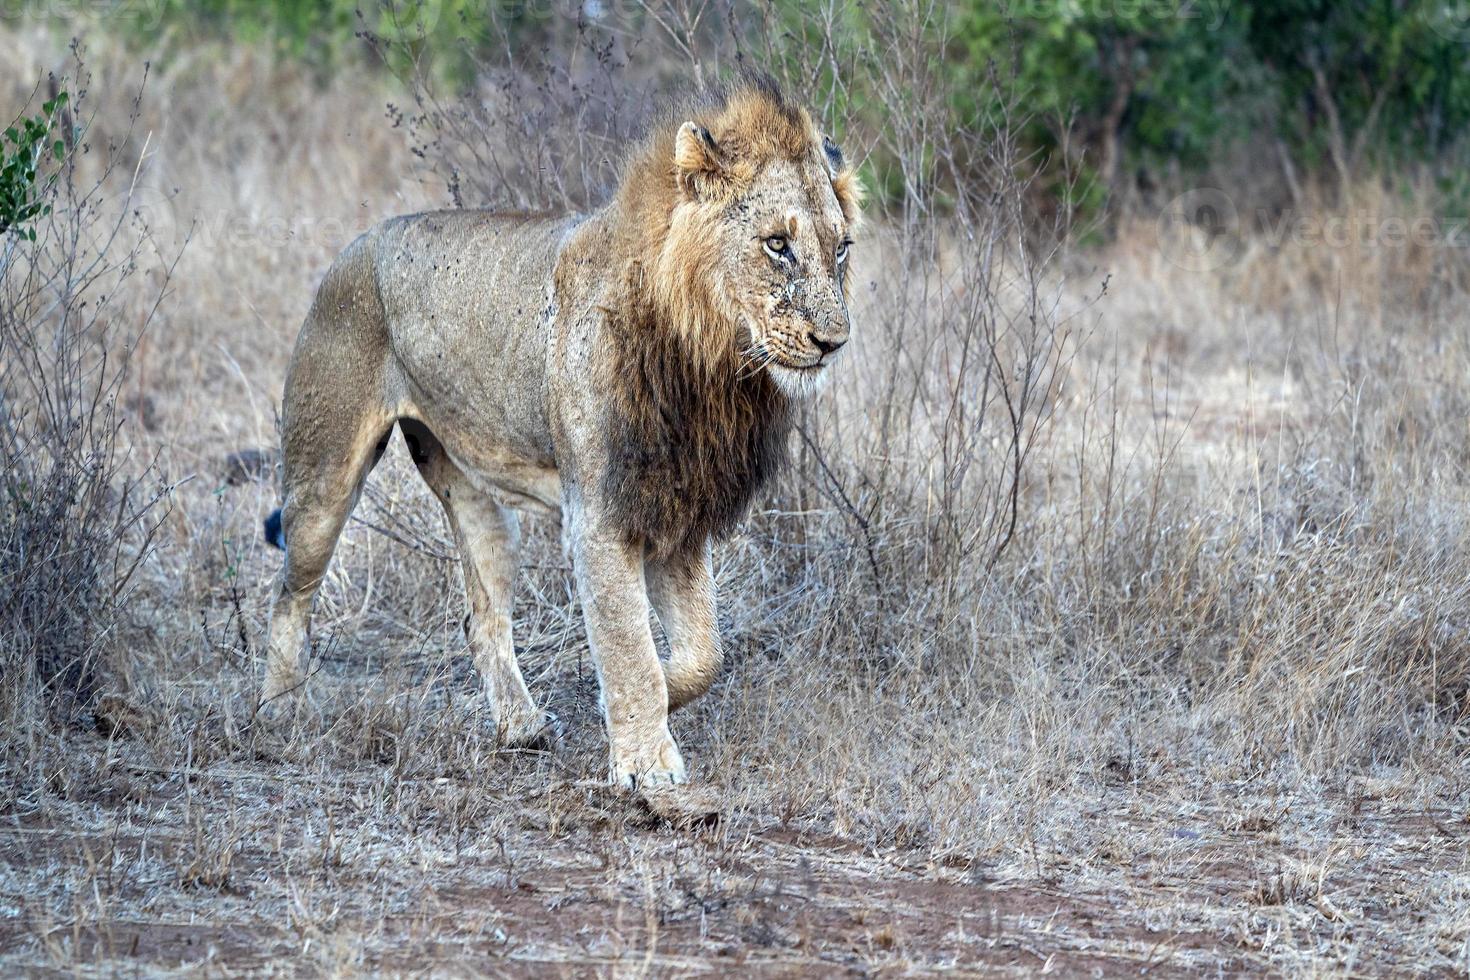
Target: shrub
77,513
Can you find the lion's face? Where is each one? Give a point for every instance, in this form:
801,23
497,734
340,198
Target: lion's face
772,239
784,256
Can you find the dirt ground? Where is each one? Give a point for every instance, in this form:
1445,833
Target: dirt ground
259,866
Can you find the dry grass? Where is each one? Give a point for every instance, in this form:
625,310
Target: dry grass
1205,711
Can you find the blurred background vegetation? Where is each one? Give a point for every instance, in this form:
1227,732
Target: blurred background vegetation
1123,100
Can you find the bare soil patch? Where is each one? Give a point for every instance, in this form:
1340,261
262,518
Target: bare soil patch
249,866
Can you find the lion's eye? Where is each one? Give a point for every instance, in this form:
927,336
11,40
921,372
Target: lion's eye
842,251
778,246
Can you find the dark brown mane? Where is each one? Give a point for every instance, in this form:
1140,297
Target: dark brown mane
687,448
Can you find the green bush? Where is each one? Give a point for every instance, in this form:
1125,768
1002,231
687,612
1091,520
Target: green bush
24,147
1142,79
1365,80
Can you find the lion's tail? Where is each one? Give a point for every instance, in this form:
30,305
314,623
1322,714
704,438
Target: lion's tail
273,532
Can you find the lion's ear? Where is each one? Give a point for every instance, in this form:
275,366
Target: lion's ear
700,164
845,182
833,153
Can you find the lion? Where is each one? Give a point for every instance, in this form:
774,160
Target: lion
631,371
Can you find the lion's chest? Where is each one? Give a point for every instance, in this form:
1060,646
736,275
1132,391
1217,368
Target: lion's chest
685,460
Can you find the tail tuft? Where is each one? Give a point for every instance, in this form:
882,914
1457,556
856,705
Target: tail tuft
273,532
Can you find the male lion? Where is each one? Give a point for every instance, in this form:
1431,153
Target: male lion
631,369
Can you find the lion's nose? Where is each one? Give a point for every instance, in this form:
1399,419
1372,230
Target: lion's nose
827,344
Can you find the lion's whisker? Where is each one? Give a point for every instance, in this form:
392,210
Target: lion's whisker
755,360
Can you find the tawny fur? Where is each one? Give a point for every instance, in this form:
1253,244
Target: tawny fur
630,370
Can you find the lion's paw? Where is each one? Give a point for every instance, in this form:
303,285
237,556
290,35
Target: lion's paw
283,697
526,727
657,763
281,711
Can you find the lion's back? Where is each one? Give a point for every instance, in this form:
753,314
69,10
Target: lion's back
466,305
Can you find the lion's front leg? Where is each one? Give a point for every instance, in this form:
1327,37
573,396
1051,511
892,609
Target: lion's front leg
682,589
635,699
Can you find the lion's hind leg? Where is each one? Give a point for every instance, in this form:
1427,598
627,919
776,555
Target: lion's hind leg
488,536
337,415
322,487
